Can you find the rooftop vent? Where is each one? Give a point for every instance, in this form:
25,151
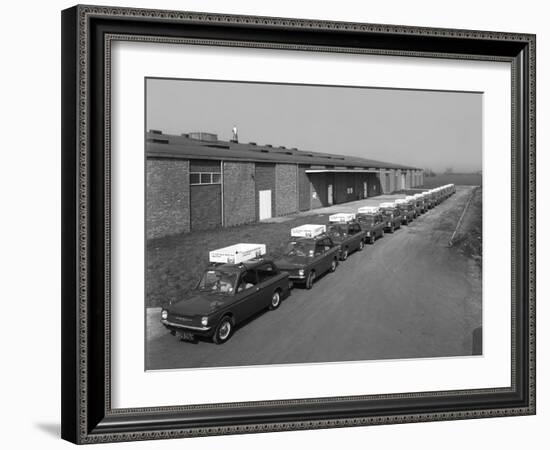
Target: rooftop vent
202,136
252,143
155,131
157,141
269,145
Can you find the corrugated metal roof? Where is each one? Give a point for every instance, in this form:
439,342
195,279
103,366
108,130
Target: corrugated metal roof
174,146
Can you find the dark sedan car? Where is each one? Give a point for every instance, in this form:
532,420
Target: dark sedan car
372,224
408,210
350,236
392,216
306,258
226,295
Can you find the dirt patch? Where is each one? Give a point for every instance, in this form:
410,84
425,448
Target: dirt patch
468,239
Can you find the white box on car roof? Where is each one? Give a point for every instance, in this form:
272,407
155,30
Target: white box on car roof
387,205
369,210
237,253
308,230
401,201
341,217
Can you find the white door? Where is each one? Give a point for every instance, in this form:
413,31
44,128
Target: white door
330,199
365,189
402,181
265,204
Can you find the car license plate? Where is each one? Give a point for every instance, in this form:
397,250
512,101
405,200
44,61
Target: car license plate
187,337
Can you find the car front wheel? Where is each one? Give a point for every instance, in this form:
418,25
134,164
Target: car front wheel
310,279
223,330
333,265
372,239
275,300
361,244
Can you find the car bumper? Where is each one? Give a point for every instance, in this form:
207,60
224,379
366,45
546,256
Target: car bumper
297,278
175,327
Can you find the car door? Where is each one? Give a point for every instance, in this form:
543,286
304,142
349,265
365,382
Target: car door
356,235
320,260
249,293
379,224
267,280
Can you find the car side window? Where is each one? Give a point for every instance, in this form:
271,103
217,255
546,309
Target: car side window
265,272
319,248
327,243
248,280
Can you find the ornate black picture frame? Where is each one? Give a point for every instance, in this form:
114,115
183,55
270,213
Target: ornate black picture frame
87,34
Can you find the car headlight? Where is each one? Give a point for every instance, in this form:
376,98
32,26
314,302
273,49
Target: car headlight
301,272
164,314
204,321
368,233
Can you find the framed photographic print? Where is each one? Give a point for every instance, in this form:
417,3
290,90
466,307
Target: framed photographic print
278,224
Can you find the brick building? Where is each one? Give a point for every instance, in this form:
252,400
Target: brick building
197,182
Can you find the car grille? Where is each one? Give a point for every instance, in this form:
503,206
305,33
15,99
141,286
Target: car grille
180,319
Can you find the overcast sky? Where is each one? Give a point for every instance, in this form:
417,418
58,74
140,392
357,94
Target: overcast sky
435,130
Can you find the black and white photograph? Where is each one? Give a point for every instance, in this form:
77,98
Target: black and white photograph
300,224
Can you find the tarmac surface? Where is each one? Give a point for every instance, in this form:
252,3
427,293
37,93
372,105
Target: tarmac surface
407,296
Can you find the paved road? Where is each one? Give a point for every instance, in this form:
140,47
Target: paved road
407,296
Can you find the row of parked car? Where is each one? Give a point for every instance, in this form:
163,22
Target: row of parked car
241,281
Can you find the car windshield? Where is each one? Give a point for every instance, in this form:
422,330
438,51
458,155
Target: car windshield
299,248
389,211
337,231
217,281
368,220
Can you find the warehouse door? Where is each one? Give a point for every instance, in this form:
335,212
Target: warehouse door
365,191
265,204
330,198
402,181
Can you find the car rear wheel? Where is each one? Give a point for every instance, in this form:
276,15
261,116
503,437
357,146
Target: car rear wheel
223,330
392,228
372,238
310,279
275,300
333,265
345,253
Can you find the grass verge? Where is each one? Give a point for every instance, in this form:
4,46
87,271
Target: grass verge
468,239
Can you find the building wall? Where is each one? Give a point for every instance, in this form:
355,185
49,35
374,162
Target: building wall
168,197
286,189
206,199
342,182
265,180
204,165
206,209
319,189
304,189
238,193
391,176
374,187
